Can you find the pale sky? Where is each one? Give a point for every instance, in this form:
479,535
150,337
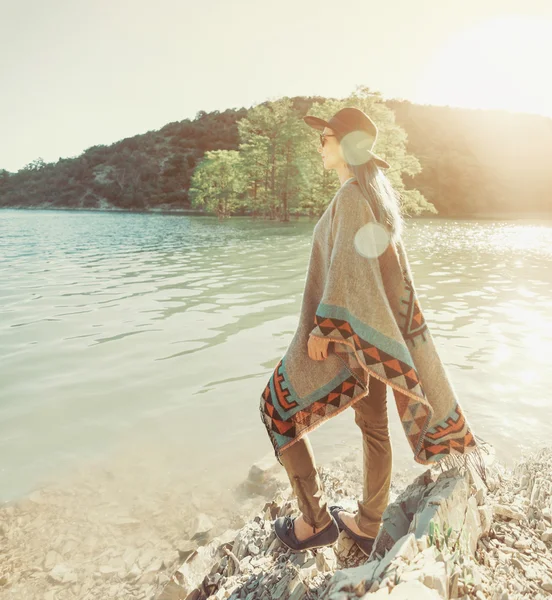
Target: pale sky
76,73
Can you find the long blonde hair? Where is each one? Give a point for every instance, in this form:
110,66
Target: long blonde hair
383,198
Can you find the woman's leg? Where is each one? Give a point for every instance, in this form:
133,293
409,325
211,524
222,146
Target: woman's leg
371,416
298,461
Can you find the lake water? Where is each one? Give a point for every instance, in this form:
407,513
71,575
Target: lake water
145,340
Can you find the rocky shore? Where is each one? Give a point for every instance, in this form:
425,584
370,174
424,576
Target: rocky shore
448,534
445,534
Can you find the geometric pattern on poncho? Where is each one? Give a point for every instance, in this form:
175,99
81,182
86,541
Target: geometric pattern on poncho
428,445
414,325
283,431
455,429
390,367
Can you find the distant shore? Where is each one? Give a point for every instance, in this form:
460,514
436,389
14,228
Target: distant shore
195,212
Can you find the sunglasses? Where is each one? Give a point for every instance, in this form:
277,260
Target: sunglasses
323,137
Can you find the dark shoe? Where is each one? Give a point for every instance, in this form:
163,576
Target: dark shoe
364,543
283,526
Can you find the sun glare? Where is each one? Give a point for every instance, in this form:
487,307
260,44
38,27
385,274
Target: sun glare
500,63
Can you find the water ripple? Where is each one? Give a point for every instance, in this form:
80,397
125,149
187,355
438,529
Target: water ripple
115,322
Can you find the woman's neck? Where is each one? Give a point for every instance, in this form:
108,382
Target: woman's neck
344,173
352,177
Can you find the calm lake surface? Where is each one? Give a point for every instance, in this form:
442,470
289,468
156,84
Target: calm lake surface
151,337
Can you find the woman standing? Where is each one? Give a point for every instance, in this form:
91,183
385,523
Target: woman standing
361,329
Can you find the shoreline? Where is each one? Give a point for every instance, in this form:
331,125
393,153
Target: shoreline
96,539
293,218
447,535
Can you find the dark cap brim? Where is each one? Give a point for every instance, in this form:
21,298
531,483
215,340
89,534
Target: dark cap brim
379,161
316,123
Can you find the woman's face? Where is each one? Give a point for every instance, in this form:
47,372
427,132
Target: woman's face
331,152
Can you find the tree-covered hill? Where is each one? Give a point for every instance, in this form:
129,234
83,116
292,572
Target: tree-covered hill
143,171
263,161
479,161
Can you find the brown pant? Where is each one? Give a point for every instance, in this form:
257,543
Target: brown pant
298,460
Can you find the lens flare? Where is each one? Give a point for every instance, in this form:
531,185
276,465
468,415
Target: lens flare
356,147
371,240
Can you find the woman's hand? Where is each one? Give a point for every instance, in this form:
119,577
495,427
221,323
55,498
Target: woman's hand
318,348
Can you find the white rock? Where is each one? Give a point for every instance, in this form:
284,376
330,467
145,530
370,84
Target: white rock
134,573
380,593
222,594
63,573
486,519
435,577
147,557
429,555
405,548
130,555
506,512
273,545
107,570
522,544
201,525
52,559
69,546
414,575
446,503
114,590
308,572
413,590
422,543
264,468
155,566
345,545
148,577
253,549
351,577
126,522
37,497
481,496
324,561
546,535
299,591
472,524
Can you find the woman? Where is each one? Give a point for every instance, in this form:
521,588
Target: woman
361,329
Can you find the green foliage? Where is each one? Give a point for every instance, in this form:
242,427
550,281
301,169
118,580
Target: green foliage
217,182
390,145
443,540
264,162
280,171
142,172
36,165
272,146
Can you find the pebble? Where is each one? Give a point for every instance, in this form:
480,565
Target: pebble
546,535
63,573
504,511
253,549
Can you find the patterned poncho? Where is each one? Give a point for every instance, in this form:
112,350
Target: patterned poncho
359,294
